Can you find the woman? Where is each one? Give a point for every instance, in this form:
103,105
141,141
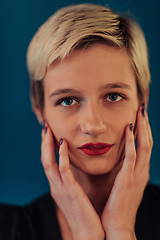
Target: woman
89,87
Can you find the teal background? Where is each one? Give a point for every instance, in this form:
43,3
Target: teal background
21,175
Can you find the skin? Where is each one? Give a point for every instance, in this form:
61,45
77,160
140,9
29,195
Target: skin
92,116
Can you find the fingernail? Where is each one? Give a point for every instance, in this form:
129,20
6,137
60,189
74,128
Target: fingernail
131,126
60,141
143,109
45,130
42,125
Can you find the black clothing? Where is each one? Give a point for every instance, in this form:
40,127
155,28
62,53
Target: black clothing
148,215
38,221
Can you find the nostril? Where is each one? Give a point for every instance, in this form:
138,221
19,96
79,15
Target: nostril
93,129
92,122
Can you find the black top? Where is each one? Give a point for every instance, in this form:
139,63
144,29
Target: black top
38,220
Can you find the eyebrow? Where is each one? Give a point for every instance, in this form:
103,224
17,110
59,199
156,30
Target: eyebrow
63,90
106,86
115,85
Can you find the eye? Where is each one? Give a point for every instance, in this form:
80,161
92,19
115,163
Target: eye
114,97
67,102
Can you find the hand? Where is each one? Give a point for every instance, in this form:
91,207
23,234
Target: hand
118,217
72,201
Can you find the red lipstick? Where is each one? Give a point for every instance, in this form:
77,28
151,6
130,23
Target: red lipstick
92,149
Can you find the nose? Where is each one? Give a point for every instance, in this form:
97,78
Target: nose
92,121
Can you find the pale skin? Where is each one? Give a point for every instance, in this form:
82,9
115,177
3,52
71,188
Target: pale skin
95,196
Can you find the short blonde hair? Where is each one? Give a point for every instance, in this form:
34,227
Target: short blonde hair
80,26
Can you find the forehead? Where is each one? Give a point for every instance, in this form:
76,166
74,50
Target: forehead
95,66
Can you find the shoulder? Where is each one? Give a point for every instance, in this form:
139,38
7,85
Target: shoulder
10,212
148,215
35,221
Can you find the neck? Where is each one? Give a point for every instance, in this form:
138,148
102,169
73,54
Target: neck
96,187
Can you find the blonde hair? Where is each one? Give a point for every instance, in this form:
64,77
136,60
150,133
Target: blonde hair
80,26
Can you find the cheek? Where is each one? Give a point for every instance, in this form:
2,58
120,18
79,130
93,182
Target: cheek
119,126
53,121
61,127
121,120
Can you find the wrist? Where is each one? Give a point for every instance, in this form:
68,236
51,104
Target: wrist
100,235
121,235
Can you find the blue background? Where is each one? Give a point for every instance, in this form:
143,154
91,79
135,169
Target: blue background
21,174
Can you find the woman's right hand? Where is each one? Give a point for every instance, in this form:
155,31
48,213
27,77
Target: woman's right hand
71,199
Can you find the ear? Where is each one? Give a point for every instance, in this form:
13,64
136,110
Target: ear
38,115
146,96
37,111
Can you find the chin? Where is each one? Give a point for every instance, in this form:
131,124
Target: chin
98,171
94,166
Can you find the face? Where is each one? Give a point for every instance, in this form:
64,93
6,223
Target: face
90,98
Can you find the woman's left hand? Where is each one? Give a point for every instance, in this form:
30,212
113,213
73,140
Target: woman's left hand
118,217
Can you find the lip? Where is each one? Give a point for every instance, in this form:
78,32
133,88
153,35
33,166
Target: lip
92,149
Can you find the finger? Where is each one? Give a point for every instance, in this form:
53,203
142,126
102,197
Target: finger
48,158
144,140
130,152
149,130
64,164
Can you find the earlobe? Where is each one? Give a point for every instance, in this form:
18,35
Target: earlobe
38,115
146,97
37,111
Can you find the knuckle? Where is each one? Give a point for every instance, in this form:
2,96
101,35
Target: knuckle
46,163
54,193
63,169
43,160
132,156
146,148
151,142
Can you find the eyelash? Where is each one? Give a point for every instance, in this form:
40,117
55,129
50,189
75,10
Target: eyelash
115,93
75,99
67,98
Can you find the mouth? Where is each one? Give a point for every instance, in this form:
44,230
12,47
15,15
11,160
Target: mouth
92,149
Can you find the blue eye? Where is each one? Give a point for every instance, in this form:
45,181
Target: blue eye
114,97
68,102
